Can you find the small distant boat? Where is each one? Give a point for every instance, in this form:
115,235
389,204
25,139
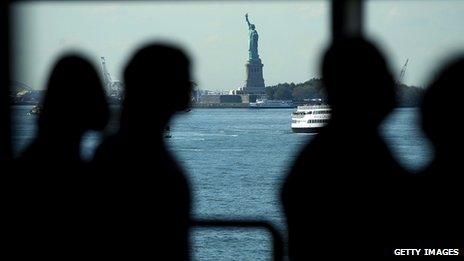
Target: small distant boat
271,104
36,110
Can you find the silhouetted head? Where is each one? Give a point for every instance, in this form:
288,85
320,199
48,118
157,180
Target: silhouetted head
75,100
358,83
158,84
442,108
252,26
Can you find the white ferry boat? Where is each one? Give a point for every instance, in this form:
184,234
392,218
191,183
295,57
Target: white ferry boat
310,118
265,103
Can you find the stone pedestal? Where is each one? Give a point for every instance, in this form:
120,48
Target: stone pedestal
254,83
253,87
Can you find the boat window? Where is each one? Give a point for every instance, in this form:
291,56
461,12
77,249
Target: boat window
217,38
206,141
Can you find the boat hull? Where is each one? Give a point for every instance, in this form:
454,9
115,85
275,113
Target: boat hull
306,130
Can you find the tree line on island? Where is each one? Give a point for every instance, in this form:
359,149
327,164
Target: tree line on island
408,96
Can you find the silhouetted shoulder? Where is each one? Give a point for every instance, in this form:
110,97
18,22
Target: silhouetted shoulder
107,151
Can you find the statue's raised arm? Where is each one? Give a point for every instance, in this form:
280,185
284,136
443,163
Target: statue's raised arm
248,21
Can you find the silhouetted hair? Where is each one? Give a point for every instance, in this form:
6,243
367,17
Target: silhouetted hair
160,75
75,99
356,77
442,104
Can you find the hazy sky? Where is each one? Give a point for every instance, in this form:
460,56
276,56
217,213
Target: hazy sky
292,36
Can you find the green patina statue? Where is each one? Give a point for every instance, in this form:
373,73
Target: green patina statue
253,45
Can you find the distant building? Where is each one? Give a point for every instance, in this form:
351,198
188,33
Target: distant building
216,99
221,99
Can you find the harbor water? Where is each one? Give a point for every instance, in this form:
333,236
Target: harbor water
236,160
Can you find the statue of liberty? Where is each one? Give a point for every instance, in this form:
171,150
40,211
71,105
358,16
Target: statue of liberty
253,47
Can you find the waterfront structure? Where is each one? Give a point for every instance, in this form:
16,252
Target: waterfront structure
220,101
271,104
254,81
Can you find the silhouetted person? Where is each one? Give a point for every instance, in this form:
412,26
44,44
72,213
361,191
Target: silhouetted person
148,193
74,103
439,188
334,196
441,110
52,201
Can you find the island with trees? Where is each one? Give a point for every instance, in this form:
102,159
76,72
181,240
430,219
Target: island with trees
408,96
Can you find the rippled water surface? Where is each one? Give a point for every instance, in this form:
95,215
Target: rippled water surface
236,160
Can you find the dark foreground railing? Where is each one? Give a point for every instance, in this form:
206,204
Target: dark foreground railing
277,242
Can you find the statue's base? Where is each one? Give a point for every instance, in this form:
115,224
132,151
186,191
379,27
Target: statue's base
248,98
254,82
254,61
